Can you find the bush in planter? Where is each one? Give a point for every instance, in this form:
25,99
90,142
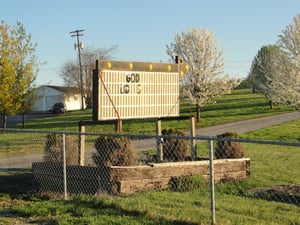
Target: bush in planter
174,148
114,151
188,183
53,149
227,149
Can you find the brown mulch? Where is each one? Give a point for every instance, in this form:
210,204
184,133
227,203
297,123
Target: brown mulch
283,193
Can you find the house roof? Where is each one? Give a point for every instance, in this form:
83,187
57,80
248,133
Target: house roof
64,89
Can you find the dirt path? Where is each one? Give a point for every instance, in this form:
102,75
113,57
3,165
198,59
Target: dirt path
240,127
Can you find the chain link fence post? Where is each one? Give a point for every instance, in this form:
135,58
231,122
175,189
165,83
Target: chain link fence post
212,182
160,153
64,165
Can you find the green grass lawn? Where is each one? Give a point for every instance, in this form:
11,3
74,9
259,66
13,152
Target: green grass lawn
239,105
270,165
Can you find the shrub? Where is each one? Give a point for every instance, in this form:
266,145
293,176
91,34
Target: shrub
188,183
53,149
114,151
174,148
226,148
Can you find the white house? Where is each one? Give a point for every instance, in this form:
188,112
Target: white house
48,95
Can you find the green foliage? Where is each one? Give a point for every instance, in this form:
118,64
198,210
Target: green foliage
18,69
188,183
174,149
245,84
114,151
227,149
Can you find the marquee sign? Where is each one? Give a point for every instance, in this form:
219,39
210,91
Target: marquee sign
128,90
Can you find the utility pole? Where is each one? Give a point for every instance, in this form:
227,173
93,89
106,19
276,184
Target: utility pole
79,46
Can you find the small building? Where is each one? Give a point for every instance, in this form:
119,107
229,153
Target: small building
48,95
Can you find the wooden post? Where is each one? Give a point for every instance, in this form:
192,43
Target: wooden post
95,92
193,140
81,144
160,154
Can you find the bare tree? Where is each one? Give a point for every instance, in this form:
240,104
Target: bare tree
205,80
70,70
289,82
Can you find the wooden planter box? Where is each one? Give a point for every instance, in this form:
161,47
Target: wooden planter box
158,175
130,179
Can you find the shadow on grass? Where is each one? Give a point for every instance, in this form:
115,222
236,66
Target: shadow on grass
16,181
102,207
289,194
17,184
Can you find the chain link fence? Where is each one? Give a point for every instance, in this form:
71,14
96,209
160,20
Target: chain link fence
73,163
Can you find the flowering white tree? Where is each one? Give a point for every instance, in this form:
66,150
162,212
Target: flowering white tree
266,69
205,80
288,83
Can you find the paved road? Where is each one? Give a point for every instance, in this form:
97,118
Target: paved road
239,127
248,125
18,119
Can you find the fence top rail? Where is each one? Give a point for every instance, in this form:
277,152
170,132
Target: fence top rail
153,136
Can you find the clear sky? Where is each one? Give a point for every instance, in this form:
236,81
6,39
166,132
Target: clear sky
142,29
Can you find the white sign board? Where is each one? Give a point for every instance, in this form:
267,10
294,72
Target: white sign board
127,93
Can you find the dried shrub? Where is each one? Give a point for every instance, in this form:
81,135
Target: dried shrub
53,149
114,151
174,148
227,149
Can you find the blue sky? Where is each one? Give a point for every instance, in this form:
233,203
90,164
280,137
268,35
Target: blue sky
142,29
